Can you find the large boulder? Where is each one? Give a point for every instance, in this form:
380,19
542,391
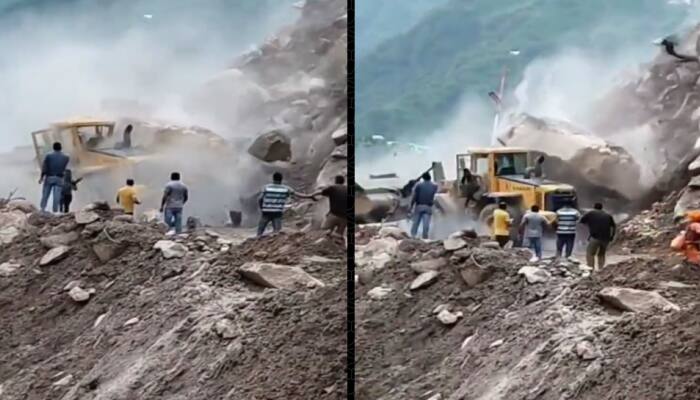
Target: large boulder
278,276
638,301
271,146
576,157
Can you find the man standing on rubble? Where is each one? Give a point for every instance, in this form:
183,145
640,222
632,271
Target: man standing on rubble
52,170
126,197
567,218
336,219
601,227
272,201
422,205
533,224
174,198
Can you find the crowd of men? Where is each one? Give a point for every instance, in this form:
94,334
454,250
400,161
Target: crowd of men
59,184
532,227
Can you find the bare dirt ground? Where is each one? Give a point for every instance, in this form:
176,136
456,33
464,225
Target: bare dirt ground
186,327
553,339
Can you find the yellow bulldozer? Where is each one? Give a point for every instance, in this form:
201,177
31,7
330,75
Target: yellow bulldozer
105,158
503,175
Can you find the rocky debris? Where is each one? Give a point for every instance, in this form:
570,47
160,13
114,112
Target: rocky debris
170,249
424,279
84,217
393,232
226,329
473,275
586,350
65,381
54,255
454,243
278,276
271,146
432,264
80,295
638,301
497,343
9,268
12,223
60,239
379,292
132,321
340,136
449,318
95,206
675,285
24,206
534,274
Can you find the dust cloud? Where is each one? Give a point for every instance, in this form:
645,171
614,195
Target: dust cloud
155,60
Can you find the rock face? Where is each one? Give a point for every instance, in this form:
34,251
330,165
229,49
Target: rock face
278,276
271,146
170,249
638,301
54,255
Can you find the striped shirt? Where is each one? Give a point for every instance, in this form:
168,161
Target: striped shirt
567,218
274,197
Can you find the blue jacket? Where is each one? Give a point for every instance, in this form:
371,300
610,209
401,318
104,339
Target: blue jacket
54,164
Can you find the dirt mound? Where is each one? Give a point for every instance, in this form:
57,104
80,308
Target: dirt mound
177,322
513,339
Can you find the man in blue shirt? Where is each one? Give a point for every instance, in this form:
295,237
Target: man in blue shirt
422,205
52,171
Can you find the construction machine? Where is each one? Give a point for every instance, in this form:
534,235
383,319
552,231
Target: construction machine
503,176
105,158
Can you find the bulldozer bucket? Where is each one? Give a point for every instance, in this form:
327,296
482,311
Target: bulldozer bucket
438,171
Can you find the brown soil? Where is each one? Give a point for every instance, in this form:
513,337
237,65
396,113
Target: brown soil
288,345
403,351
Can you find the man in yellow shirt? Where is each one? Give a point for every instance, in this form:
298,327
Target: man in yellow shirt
501,224
126,196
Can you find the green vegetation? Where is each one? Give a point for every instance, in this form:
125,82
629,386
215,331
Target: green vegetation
410,83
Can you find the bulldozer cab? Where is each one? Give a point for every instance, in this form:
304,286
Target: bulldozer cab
490,164
88,143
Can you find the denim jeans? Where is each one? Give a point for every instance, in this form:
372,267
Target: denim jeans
565,241
535,244
421,214
265,219
173,217
53,186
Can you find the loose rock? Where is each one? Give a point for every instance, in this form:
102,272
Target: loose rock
61,239
278,276
86,217
423,266
379,292
54,255
424,280
170,249
448,318
638,301
534,274
226,329
586,351
79,295
8,268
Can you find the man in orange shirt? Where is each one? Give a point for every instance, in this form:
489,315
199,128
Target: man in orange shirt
126,196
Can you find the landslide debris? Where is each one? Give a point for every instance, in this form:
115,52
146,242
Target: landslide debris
493,325
115,317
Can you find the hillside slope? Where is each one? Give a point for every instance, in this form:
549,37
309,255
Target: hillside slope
411,83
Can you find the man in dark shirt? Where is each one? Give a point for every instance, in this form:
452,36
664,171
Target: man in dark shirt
601,227
52,170
336,219
422,205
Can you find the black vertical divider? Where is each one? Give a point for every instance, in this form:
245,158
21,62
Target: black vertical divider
351,203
